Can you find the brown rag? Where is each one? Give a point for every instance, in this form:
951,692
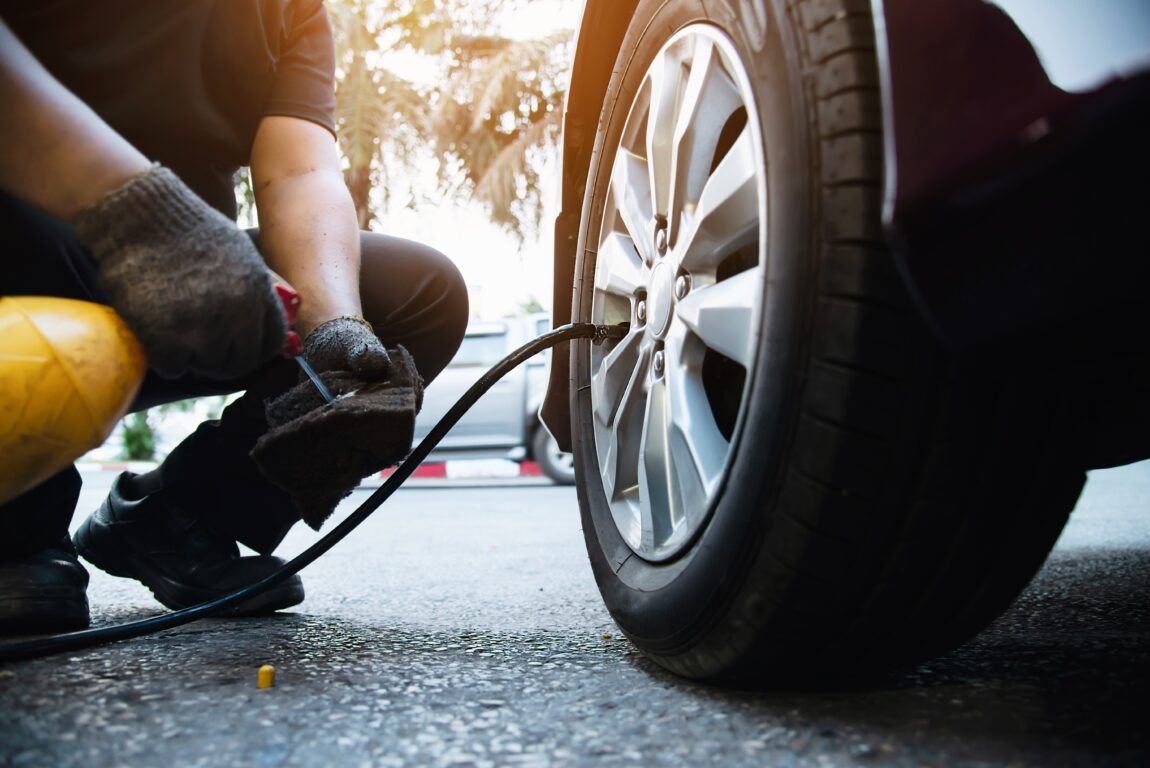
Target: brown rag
318,452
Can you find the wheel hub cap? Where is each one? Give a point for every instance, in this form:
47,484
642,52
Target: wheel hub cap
660,300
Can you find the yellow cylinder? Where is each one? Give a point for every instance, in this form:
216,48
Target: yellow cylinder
266,677
69,370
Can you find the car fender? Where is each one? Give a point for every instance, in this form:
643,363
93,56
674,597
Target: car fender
595,55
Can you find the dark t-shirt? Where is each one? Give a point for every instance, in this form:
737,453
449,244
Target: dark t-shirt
187,81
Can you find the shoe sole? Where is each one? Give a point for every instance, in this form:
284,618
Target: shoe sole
56,609
92,536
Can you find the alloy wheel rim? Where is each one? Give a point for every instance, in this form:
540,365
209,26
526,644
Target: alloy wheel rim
681,258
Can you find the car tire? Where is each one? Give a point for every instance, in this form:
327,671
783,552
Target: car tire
558,465
804,486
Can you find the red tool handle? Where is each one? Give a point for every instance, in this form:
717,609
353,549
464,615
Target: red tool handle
290,301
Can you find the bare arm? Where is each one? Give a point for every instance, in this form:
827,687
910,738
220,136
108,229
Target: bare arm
56,152
308,228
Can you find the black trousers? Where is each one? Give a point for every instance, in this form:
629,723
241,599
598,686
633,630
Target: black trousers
411,294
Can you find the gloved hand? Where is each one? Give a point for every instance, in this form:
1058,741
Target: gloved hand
347,344
187,280
318,452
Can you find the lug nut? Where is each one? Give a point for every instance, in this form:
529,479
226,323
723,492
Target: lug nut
641,312
682,286
660,362
661,240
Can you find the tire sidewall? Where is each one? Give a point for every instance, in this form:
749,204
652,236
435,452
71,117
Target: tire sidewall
668,607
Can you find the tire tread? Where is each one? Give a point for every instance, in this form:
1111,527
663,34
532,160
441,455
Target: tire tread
916,597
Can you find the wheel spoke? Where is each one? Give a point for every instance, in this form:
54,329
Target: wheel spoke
723,314
631,193
618,268
709,99
685,130
619,465
614,376
728,211
655,501
664,78
696,446
702,59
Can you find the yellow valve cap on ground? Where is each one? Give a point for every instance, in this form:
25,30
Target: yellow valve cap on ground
69,370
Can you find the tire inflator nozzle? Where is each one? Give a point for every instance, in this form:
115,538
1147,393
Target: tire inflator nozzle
610,332
324,392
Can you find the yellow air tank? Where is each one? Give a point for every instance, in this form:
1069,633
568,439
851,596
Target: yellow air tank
69,370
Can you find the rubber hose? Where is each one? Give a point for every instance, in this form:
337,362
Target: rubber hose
88,638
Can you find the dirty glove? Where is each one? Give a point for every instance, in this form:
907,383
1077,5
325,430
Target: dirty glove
187,280
318,452
347,344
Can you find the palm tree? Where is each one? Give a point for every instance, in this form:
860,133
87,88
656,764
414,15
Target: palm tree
500,100
503,102
379,115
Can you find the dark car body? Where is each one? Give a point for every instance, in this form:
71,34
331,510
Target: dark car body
1016,190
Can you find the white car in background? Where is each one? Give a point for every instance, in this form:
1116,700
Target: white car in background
505,423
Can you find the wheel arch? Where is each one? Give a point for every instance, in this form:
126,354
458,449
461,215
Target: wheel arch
595,56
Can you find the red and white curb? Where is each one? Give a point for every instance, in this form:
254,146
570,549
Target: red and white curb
135,467
473,469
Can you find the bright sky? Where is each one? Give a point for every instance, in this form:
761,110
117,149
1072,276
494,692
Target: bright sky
540,17
1083,45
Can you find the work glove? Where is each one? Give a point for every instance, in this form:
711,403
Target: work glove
187,280
318,452
347,344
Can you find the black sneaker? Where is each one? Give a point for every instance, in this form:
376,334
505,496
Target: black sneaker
43,593
157,543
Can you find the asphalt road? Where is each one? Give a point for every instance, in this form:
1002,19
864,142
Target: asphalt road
461,626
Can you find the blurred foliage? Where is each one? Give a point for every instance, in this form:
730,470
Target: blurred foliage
139,437
246,215
138,430
504,100
495,103
531,306
380,116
